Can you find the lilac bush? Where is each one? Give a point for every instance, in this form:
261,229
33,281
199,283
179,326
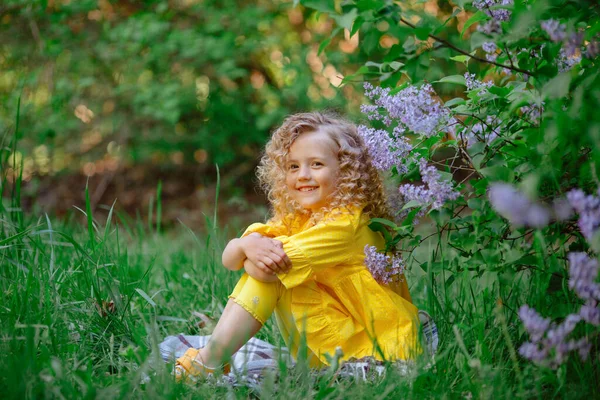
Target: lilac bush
550,343
414,108
507,100
386,151
516,207
588,208
437,191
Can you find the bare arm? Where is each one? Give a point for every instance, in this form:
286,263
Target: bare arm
265,253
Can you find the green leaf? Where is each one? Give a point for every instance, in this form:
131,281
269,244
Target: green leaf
478,16
457,79
462,59
383,221
411,204
422,33
498,173
455,101
324,6
356,25
557,87
396,65
145,296
346,21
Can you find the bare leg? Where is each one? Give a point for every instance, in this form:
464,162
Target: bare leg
235,327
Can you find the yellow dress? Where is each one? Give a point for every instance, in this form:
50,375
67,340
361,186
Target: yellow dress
331,297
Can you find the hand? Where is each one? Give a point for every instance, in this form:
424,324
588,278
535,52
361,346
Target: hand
265,253
258,273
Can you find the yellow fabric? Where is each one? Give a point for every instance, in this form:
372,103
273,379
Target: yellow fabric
260,299
333,299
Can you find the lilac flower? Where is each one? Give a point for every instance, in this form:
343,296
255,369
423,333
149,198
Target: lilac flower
549,339
533,352
558,333
583,271
516,207
588,208
383,267
535,325
490,27
487,6
386,151
565,62
572,45
473,84
554,29
438,191
414,108
490,49
590,312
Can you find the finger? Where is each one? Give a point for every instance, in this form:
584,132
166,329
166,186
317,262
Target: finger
264,268
277,243
270,263
278,260
287,262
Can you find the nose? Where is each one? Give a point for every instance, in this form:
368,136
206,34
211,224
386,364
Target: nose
304,173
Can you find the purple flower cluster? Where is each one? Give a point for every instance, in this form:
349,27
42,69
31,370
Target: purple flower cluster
516,207
582,274
490,50
384,268
414,108
588,208
438,191
473,84
554,29
386,151
491,8
549,339
570,53
564,62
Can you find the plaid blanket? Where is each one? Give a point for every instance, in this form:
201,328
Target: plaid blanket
257,356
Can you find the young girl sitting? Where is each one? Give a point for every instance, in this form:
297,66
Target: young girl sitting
306,263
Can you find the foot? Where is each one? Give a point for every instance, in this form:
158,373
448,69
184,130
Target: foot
189,367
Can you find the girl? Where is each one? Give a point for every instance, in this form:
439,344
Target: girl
306,263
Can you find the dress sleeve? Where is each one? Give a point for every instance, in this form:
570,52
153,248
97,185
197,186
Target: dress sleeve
263,229
324,245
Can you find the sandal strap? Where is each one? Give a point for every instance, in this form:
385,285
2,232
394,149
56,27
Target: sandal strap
190,366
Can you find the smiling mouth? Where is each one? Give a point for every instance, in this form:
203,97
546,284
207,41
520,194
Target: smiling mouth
307,189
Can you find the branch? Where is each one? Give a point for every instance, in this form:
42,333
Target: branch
461,51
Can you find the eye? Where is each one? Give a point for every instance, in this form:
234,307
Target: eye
292,167
318,164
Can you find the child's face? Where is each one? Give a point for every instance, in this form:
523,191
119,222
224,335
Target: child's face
312,169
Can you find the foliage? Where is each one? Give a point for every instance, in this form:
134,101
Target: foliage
519,121
106,84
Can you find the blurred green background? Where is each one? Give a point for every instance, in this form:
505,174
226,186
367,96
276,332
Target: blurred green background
125,94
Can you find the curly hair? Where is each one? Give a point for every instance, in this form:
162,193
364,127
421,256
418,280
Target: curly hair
358,183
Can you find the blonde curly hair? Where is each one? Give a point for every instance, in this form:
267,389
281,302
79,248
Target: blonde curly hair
358,184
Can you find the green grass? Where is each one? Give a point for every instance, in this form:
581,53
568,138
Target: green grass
85,300
61,337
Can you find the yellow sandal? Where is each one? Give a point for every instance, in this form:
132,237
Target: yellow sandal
189,369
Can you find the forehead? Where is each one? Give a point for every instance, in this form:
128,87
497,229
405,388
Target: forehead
314,144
